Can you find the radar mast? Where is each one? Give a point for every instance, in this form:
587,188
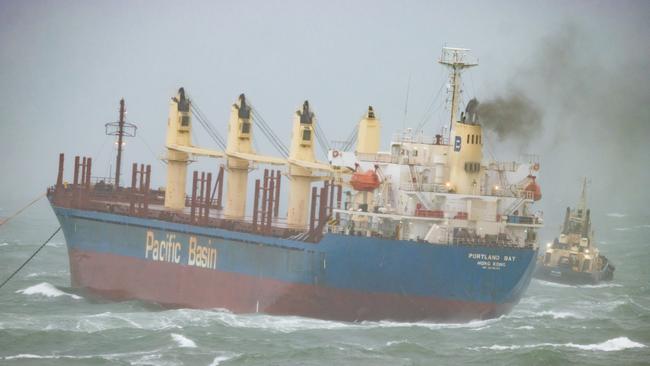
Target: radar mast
456,59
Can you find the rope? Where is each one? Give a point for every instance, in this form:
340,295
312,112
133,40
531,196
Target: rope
2,222
31,257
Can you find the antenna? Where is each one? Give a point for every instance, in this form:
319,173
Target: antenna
120,129
456,59
582,205
406,102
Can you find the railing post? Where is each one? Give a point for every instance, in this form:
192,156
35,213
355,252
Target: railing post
147,187
269,214
330,206
134,180
264,196
256,202
312,213
208,199
339,200
202,196
59,176
83,172
276,204
220,190
89,164
195,177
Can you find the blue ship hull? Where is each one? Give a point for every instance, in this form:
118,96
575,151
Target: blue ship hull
350,278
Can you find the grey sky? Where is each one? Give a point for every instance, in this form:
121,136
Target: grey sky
65,64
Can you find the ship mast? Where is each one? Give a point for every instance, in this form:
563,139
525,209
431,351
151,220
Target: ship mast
121,129
456,60
120,135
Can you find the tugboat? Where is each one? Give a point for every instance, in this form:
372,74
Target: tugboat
573,257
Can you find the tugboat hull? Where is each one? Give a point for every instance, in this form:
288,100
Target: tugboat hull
570,277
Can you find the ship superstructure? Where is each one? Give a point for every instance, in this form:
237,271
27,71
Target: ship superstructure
573,257
426,230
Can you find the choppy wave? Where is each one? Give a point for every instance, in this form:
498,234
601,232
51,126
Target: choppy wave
224,357
614,344
616,214
183,341
107,357
4,244
46,289
289,324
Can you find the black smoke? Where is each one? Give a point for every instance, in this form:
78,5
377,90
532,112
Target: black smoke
511,116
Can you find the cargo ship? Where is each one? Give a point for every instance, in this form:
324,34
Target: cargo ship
428,230
573,257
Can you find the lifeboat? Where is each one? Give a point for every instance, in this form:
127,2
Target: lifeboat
365,181
534,188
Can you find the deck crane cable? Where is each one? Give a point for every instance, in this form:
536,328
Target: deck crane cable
351,138
322,139
207,125
268,132
277,143
31,257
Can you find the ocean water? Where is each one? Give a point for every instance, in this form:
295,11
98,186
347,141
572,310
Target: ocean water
45,322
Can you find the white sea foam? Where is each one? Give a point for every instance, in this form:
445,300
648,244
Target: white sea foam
47,357
602,285
614,344
622,228
474,324
616,214
183,341
224,357
4,244
46,289
108,357
562,285
525,327
560,314
392,343
34,274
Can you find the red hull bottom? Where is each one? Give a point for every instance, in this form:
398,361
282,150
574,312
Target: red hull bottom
124,278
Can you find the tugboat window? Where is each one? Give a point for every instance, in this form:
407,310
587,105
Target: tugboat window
306,135
185,121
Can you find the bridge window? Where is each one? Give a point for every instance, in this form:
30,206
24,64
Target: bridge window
185,121
306,134
246,127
